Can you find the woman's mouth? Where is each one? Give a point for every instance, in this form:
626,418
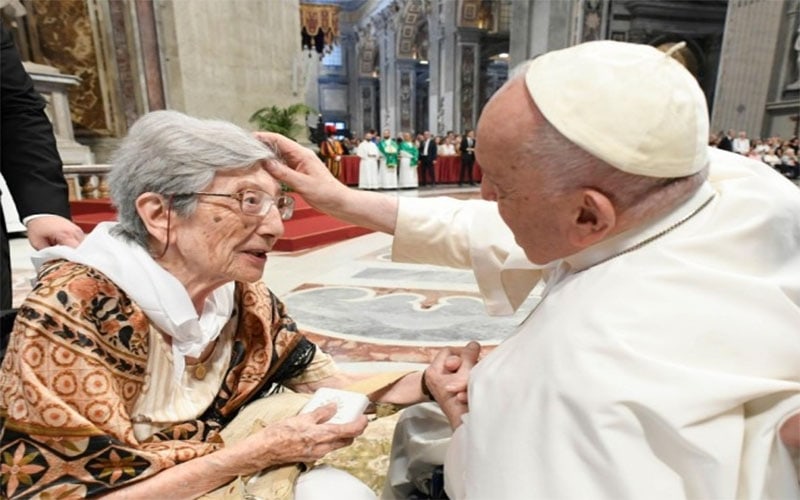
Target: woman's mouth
259,256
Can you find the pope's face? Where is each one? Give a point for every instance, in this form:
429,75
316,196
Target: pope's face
512,178
386,134
218,243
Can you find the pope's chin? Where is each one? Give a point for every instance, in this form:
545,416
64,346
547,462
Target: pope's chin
537,255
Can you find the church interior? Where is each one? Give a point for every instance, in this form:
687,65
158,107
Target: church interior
347,67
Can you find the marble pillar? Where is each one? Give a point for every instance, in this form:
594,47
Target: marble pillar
368,105
406,85
54,88
750,92
467,67
443,66
539,26
388,77
228,59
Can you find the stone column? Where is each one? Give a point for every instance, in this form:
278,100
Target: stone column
435,68
406,92
350,54
444,73
53,86
467,87
388,70
750,66
539,26
367,104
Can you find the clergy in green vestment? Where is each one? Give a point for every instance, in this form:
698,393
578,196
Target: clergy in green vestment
389,149
407,171
409,148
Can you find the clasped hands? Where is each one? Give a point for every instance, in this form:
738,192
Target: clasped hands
447,378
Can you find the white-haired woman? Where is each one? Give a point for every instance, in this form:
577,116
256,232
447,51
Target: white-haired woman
134,352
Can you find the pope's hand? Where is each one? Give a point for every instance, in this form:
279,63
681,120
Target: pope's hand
447,378
301,169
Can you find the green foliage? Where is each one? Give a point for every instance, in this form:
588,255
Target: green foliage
281,120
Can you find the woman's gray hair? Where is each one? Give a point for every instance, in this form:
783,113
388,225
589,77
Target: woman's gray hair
167,152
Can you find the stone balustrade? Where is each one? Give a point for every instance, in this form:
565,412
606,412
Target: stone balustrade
87,182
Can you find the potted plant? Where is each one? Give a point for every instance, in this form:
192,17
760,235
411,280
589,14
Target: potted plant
281,120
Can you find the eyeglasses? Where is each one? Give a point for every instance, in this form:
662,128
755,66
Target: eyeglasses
255,202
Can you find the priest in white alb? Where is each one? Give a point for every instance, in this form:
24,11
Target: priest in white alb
368,152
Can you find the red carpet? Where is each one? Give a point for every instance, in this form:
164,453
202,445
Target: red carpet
308,228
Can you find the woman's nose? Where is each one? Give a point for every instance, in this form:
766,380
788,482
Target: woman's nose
271,223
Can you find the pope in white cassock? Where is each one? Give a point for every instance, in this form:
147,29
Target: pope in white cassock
664,357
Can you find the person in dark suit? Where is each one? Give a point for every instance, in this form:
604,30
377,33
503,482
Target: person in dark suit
467,157
30,165
726,141
427,158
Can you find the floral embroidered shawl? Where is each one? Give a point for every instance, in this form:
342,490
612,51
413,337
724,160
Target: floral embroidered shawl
76,365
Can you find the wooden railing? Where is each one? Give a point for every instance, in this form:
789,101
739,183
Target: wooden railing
87,182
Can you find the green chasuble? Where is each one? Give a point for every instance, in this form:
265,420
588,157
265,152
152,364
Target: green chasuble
389,151
411,149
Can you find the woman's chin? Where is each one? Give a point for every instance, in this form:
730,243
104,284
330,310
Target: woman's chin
253,268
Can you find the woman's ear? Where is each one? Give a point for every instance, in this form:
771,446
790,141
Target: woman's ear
155,212
594,218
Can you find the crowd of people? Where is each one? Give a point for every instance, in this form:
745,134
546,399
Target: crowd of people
778,153
388,162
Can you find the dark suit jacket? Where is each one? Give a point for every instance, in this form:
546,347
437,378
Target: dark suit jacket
29,160
470,155
725,143
431,149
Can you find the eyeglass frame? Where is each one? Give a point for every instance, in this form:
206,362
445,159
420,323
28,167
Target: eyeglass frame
284,203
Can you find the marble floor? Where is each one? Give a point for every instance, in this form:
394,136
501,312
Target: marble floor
368,312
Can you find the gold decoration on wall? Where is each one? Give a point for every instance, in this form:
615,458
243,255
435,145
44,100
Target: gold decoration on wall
319,25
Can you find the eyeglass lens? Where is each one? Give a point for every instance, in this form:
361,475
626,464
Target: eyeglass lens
259,203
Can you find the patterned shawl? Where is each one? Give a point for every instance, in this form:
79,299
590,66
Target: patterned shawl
76,364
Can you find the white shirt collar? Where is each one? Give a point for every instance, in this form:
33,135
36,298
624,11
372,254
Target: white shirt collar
597,253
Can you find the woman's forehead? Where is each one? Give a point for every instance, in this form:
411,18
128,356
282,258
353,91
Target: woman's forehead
255,174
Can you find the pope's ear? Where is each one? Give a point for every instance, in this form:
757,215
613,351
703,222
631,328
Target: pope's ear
593,218
154,211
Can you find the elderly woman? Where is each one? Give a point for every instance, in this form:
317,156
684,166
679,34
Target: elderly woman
134,352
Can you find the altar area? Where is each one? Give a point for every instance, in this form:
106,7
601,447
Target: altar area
446,168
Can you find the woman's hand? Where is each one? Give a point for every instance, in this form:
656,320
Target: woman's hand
302,438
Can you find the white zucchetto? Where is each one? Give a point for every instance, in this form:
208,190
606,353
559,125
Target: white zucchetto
630,105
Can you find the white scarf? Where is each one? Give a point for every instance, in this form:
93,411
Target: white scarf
160,295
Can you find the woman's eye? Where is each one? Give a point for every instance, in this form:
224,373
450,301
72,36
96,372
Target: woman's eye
251,199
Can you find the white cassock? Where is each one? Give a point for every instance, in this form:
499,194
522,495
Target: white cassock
388,176
406,175
664,372
368,166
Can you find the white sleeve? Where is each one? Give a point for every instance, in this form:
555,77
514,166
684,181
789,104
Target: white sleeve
466,234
